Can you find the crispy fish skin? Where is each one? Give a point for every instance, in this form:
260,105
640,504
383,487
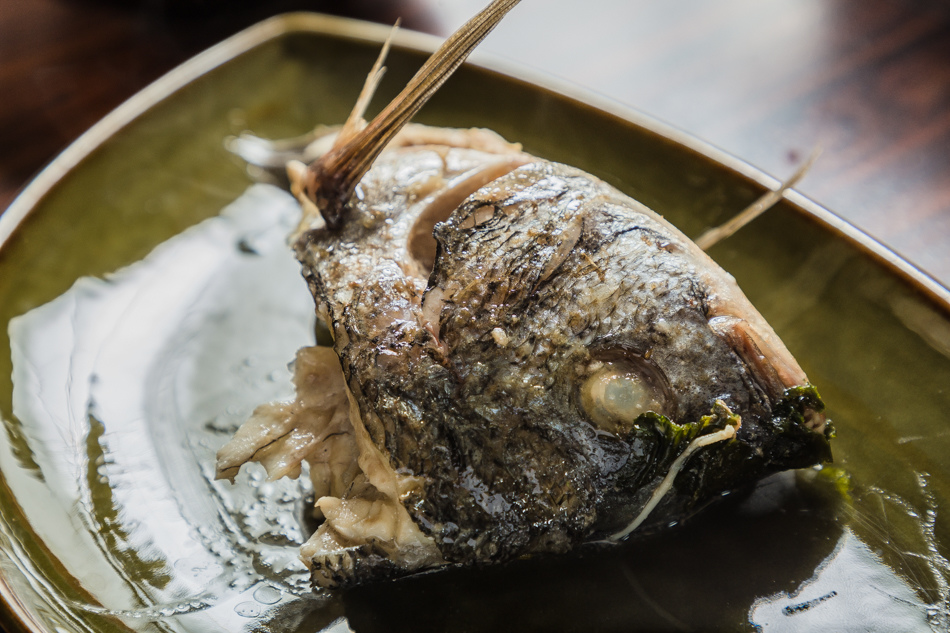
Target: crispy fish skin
470,381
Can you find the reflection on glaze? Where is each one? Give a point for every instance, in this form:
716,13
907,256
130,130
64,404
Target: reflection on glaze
154,384
854,589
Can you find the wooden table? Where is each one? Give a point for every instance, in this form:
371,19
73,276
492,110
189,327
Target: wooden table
766,80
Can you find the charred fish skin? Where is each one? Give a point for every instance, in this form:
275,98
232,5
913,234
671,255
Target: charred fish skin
543,279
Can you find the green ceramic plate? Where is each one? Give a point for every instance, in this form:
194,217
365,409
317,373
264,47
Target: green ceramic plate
149,304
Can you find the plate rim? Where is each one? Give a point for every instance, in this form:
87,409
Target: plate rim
14,615
283,24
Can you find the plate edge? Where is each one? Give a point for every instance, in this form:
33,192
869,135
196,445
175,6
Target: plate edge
179,77
871,246
279,25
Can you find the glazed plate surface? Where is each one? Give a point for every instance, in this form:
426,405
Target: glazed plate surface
148,303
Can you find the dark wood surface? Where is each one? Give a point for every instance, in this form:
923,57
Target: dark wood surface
766,80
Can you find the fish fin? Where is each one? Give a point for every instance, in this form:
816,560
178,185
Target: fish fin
331,179
765,202
355,122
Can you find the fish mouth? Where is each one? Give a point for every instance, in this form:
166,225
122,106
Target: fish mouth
771,364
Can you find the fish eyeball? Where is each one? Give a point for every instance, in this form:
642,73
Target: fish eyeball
617,393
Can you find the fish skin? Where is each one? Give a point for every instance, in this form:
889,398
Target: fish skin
566,272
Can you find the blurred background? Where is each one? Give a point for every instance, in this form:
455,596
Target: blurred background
766,80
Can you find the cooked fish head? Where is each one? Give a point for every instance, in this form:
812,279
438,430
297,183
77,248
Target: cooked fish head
566,368
524,359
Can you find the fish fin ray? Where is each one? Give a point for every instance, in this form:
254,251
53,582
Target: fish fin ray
332,179
355,122
762,204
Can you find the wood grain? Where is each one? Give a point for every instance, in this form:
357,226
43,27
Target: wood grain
766,80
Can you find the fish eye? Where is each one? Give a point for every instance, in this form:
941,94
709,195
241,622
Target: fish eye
618,391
